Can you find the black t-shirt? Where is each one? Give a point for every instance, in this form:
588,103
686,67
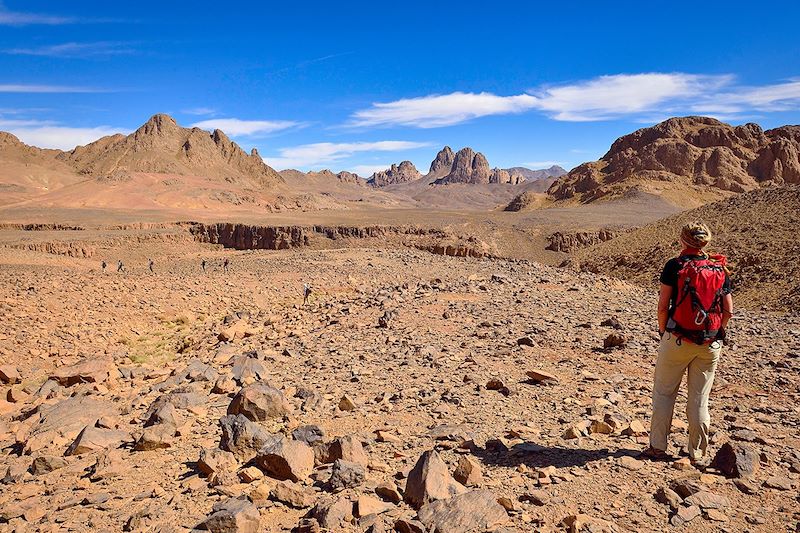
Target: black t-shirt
669,276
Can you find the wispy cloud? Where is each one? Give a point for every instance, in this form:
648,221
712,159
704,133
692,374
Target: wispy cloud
536,165
308,63
24,88
236,127
17,18
366,171
603,98
61,137
320,154
77,50
199,111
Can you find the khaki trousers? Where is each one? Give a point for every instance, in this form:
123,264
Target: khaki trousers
675,357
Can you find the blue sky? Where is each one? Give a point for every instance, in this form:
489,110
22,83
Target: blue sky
360,85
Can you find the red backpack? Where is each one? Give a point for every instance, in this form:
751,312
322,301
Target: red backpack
697,313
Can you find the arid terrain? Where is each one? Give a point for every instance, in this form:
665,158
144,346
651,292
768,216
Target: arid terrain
476,352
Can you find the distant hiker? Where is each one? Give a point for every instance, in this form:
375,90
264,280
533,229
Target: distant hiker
103,265
203,265
694,308
120,266
225,265
150,265
306,293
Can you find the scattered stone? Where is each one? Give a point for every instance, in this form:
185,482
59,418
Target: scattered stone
9,375
472,511
232,516
92,439
736,460
746,486
259,402
45,464
346,475
708,500
367,505
243,437
347,404
214,460
389,492
684,515
333,513
779,483
249,474
468,472
668,497
579,523
155,437
615,340
292,494
430,480
86,371
716,515
286,459
540,376
309,434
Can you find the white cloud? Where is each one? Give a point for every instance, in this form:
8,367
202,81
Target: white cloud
320,154
441,109
633,96
199,111
366,171
61,137
16,18
76,50
23,88
235,126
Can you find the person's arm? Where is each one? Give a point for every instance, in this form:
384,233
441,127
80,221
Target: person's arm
727,310
663,307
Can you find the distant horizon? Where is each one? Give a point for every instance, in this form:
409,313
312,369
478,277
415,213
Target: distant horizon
525,94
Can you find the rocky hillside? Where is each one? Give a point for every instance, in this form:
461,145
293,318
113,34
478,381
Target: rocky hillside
757,230
162,146
696,153
402,173
468,167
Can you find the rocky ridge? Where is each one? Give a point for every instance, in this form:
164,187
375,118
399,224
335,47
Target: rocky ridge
697,152
402,173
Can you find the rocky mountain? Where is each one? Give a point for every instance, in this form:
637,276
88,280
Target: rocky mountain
694,152
162,146
442,163
402,173
529,174
468,167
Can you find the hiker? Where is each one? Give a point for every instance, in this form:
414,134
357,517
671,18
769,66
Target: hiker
306,292
120,266
150,264
103,265
225,265
695,305
203,265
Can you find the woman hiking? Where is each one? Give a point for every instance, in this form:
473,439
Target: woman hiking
694,307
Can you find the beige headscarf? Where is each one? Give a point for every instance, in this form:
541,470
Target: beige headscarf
695,235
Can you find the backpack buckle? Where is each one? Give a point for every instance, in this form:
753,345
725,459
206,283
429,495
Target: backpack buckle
700,317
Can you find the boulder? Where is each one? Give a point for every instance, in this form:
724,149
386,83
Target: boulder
737,460
45,464
92,439
155,437
243,437
232,516
310,434
292,494
348,448
286,459
430,480
346,475
9,375
258,402
214,460
96,370
468,472
474,511
333,513
248,369
367,505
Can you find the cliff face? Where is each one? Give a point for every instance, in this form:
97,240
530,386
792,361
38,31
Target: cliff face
468,167
569,242
443,163
698,151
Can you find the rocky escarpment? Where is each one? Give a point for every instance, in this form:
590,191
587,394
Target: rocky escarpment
569,242
162,146
696,151
555,171
500,175
69,249
41,227
468,167
402,173
251,237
